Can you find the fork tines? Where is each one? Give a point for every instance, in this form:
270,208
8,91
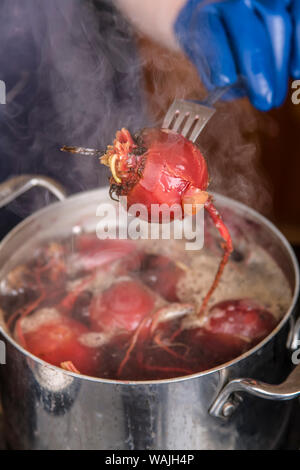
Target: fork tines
188,118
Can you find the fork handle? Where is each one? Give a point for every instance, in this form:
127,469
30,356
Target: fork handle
217,93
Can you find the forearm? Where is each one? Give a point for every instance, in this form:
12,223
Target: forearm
154,18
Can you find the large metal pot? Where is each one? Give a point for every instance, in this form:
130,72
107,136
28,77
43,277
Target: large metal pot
47,408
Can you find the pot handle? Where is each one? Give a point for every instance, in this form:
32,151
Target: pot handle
226,402
17,185
228,398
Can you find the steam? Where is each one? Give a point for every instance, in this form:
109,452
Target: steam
232,147
73,78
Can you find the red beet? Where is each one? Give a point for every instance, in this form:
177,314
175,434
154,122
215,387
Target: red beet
121,307
57,341
161,167
243,318
95,253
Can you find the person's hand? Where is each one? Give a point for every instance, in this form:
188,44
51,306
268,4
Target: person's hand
295,60
257,39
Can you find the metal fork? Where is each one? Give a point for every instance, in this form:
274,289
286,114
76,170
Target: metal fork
190,117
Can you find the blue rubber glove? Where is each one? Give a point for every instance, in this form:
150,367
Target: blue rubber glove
251,38
295,62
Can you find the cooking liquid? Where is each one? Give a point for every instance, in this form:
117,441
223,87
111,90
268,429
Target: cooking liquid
66,284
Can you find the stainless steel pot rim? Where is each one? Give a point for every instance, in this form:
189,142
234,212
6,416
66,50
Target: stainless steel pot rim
234,203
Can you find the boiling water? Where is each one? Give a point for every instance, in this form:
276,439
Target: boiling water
177,346
251,275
